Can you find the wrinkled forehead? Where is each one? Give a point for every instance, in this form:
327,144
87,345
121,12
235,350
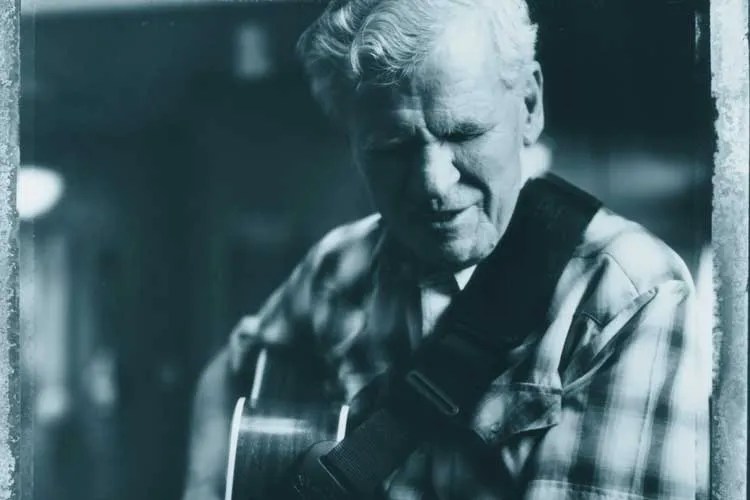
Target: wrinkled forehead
459,80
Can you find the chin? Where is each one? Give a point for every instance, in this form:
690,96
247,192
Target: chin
455,255
451,250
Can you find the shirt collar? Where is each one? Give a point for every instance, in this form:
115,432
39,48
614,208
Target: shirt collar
464,275
457,280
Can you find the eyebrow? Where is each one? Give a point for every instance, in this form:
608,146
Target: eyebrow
465,128
400,134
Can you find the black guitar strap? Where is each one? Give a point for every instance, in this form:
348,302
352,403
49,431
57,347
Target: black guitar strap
505,301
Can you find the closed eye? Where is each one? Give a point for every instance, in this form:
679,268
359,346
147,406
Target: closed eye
465,132
459,137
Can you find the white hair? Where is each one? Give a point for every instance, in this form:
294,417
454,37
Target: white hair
383,41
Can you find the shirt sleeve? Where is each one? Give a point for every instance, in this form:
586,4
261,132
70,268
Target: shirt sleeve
314,295
284,319
634,418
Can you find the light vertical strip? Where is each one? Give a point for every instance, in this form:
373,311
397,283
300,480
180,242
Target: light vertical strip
729,84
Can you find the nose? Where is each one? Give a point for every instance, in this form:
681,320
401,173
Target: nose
436,174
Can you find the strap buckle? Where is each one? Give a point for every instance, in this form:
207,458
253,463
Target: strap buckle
432,393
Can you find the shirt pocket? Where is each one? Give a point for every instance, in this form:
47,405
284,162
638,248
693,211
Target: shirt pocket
513,408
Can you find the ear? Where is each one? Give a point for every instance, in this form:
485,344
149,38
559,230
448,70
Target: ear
534,105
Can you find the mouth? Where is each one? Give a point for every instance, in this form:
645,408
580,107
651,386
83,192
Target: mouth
442,215
443,219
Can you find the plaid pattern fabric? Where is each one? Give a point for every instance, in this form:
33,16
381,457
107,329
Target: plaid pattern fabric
609,400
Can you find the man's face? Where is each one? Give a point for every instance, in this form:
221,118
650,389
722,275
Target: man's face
441,151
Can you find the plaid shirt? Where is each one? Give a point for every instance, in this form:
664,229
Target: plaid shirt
610,400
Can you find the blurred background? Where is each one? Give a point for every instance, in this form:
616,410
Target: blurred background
174,169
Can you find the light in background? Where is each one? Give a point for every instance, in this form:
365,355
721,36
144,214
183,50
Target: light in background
39,190
99,380
252,52
645,175
45,314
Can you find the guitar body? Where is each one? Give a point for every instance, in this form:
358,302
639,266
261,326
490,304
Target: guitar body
282,417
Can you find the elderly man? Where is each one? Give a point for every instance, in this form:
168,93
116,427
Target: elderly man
438,99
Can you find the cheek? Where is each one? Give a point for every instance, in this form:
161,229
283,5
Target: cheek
494,169
489,165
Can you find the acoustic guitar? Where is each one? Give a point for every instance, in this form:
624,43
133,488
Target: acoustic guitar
284,415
